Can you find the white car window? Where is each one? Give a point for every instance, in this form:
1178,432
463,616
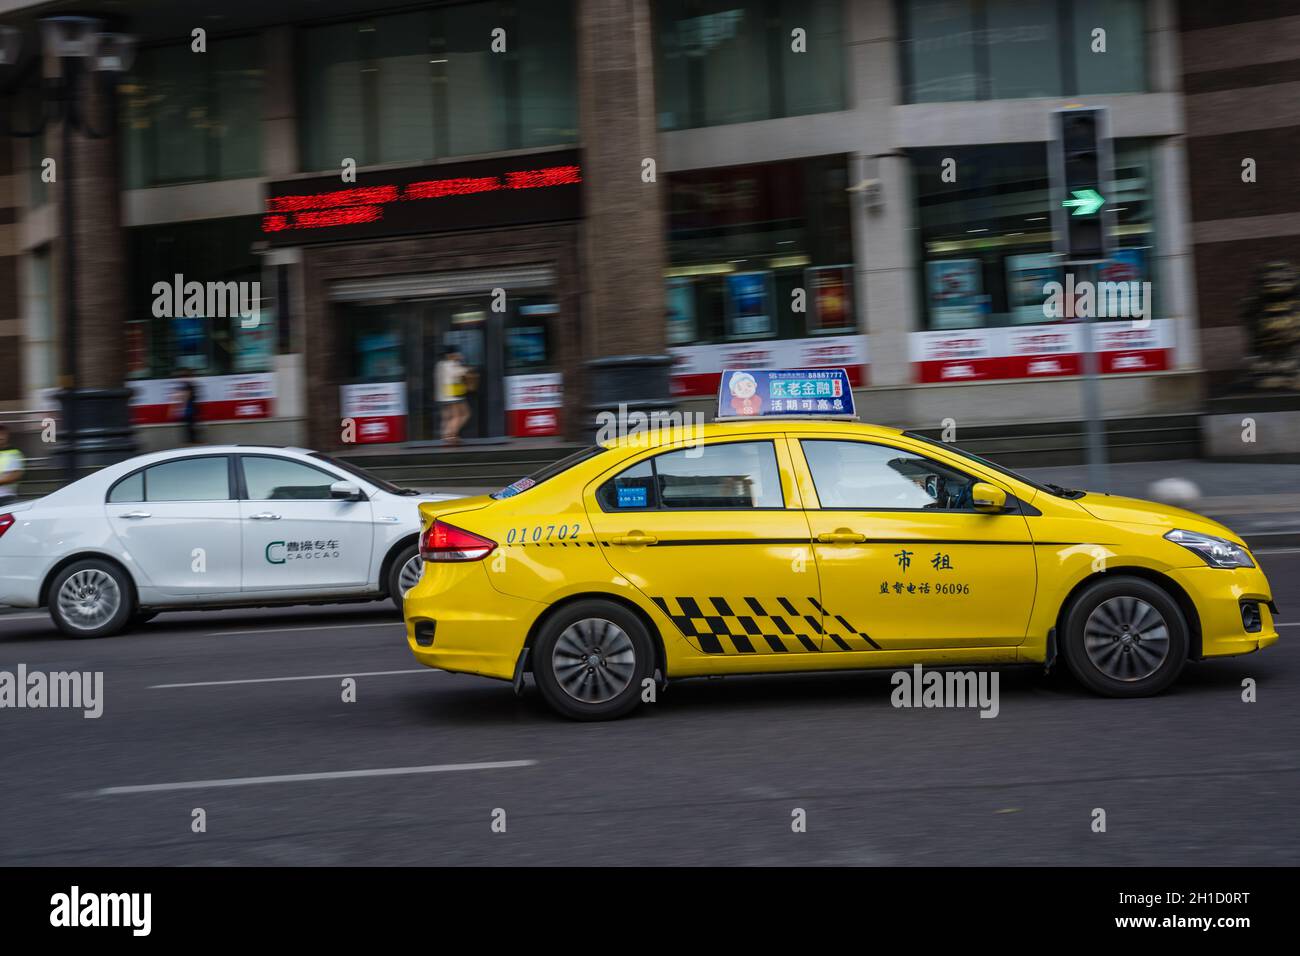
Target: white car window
130,488
270,479
188,479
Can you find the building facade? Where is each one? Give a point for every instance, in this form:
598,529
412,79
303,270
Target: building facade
566,191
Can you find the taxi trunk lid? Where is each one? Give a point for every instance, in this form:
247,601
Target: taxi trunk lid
431,510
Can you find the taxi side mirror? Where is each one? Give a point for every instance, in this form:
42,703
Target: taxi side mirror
346,491
987,498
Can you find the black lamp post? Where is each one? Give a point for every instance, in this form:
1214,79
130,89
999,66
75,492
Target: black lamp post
96,421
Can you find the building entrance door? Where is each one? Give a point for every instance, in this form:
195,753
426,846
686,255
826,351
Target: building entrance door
467,324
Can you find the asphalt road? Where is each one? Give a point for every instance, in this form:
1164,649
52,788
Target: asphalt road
711,774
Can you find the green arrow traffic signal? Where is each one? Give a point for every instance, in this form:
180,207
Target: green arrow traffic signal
1085,202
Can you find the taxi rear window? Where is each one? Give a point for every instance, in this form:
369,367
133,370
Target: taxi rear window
550,471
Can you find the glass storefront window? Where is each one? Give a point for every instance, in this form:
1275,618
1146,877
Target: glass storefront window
987,240
1122,68
176,344
732,61
190,117
939,50
476,81
744,241
1005,49
424,85
1023,42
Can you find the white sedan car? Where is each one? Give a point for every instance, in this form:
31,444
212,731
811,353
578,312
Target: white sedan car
210,527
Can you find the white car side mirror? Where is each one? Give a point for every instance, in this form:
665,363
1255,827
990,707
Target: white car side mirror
347,491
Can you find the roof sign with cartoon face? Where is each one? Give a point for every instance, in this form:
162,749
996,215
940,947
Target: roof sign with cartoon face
784,393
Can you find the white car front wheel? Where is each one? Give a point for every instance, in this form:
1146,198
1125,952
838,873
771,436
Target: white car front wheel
90,598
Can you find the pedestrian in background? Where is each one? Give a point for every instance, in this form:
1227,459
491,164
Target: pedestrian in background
12,465
452,384
189,414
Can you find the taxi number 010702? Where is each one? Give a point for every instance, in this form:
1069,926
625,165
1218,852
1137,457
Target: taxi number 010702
548,532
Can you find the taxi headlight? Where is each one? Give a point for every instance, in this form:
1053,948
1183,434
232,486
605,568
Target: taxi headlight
1216,552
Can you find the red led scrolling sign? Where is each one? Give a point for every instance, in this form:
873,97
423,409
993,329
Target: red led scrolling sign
366,204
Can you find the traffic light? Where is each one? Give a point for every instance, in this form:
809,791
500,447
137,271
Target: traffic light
1081,165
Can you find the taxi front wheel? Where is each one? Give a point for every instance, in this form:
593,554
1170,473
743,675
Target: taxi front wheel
590,660
1125,637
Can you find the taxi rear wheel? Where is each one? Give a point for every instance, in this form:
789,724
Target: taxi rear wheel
1125,637
90,598
590,660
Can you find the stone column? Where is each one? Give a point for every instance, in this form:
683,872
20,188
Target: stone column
98,410
623,318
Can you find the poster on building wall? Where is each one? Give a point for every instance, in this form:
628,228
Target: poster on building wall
1125,265
137,348
1039,351
681,310
697,369
533,404
749,304
955,289
1027,277
157,401
377,411
190,343
831,290
254,348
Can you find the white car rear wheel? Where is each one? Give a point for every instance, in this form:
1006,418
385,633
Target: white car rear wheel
90,598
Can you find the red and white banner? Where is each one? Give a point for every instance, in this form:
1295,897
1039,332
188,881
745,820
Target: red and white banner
157,401
377,410
698,368
533,403
1039,351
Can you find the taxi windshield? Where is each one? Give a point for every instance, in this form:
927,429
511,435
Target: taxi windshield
549,471
1048,487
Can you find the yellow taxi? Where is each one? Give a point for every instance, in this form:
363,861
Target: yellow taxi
778,540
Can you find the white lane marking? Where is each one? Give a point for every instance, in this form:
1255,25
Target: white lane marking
24,617
1291,624
305,777
1276,551
312,627
274,680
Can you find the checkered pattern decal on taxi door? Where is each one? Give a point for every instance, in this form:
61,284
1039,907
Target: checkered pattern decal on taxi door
775,625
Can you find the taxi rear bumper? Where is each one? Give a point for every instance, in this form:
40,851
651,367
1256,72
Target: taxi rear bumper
456,621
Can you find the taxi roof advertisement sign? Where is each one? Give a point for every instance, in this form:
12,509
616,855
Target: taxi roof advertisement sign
802,392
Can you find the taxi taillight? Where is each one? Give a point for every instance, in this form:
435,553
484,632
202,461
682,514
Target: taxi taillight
6,522
446,542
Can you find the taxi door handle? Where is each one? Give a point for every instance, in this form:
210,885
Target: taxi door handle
265,516
636,537
137,514
841,537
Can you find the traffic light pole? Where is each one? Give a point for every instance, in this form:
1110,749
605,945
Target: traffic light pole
1081,165
1094,430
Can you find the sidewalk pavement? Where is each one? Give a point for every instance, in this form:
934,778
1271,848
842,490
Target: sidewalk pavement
1261,502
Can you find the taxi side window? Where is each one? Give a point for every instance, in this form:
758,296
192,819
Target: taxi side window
722,477
630,490
861,476
281,479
